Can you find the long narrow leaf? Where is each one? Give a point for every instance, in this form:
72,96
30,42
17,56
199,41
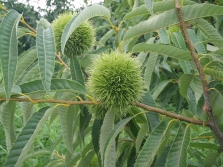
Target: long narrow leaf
163,50
178,152
56,85
169,17
7,120
111,138
75,69
25,62
149,69
152,144
87,13
46,52
25,139
9,49
106,127
185,82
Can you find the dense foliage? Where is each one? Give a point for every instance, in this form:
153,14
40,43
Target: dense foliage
149,91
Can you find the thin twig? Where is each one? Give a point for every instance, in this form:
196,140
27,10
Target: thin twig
21,21
48,101
59,57
172,115
148,108
207,105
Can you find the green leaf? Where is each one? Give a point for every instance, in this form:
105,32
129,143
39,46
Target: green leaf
96,133
207,29
149,5
66,115
169,17
106,128
141,135
205,145
214,73
164,37
27,110
25,62
149,69
165,50
162,6
106,37
21,31
217,106
198,88
87,13
152,144
25,139
178,151
185,82
178,40
56,85
159,88
9,49
31,73
46,52
15,91
75,69
211,158
196,41
7,120
111,139
139,11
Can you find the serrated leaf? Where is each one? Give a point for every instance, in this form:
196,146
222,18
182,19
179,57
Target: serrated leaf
7,120
207,29
149,5
111,139
27,110
164,37
196,41
165,50
15,91
46,52
87,13
214,73
178,40
149,69
106,128
139,11
24,62
178,151
56,85
106,37
75,69
217,106
9,49
21,31
159,88
162,6
66,115
185,82
96,133
211,158
204,145
31,73
169,17
25,139
198,88
141,135
151,146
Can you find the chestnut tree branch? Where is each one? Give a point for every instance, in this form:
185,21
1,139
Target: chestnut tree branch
171,114
143,106
207,104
